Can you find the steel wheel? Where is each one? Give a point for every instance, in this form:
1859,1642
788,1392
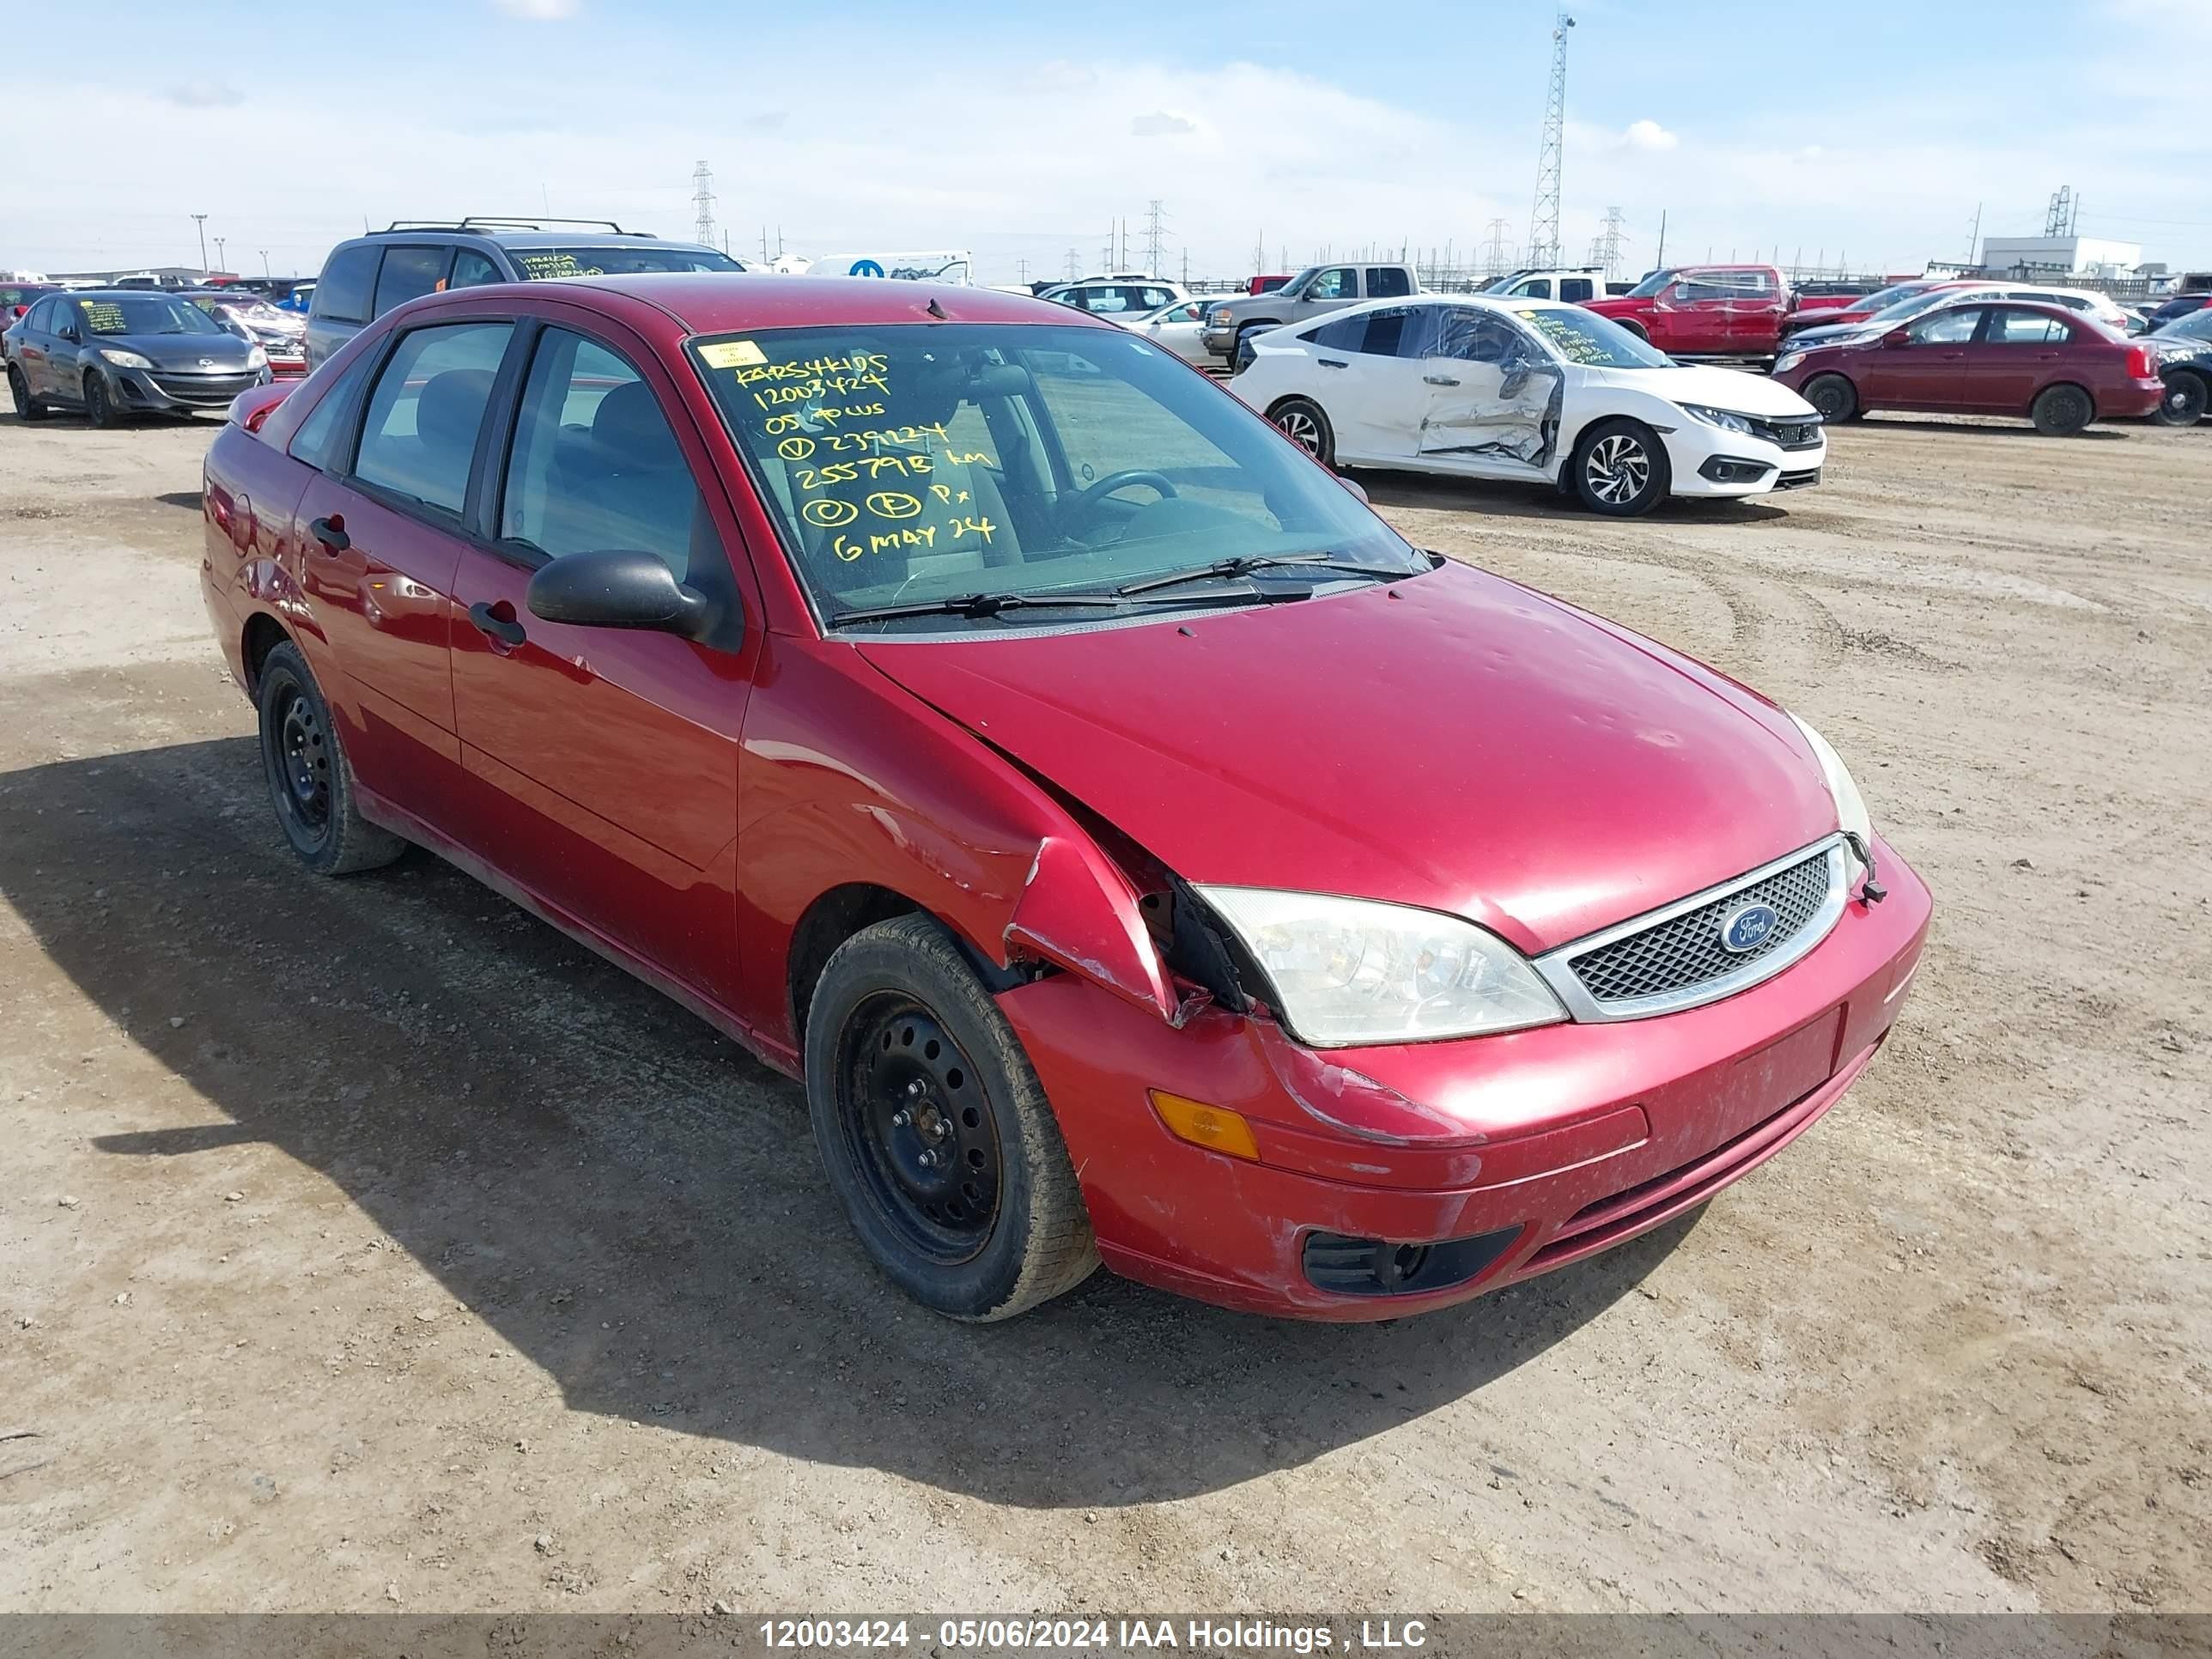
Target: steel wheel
1302,429
97,409
297,753
2183,403
919,1128
1618,468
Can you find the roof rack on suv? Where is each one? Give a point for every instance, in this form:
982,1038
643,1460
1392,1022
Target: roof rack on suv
485,222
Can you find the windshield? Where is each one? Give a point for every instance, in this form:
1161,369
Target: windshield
542,264
148,314
908,463
2196,325
1883,297
1905,309
1651,284
1595,342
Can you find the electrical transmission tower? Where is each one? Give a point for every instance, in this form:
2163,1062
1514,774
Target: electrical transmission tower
702,202
2060,220
1605,250
1074,264
1153,215
1493,250
1544,220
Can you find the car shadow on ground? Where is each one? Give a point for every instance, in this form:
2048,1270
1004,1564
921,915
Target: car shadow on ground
187,499
1518,501
631,1202
1990,427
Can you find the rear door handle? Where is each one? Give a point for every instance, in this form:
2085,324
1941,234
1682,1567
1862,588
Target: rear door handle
1439,380
331,533
1331,362
505,629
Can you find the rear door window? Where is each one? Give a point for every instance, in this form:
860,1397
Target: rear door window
342,294
419,438
2010,327
1576,289
409,273
321,439
1388,283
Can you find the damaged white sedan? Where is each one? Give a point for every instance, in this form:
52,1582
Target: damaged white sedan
1531,392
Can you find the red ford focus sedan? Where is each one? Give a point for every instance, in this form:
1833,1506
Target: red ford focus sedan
1990,356
1142,853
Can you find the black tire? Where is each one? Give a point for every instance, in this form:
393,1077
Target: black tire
2186,395
1835,398
27,408
310,780
1635,328
1301,420
1619,469
99,408
933,1130
2060,411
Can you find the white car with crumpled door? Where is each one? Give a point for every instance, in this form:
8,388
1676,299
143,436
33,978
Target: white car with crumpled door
1530,390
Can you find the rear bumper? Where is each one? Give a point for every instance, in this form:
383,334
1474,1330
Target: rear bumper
2138,398
1567,1140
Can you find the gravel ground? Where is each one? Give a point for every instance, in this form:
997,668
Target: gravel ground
367,1245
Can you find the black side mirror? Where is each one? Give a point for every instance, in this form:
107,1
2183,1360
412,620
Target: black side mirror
617,589
68,332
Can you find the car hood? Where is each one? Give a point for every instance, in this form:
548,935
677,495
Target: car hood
1454,741
2177,348
187,353
1715,388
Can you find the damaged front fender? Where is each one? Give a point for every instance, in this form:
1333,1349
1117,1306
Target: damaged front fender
1079,911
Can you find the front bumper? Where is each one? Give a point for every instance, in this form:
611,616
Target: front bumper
1565,1139
170,391
1712,461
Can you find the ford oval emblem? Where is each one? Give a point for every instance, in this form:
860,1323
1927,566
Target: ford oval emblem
1747,927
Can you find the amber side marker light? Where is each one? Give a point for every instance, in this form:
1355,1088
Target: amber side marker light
1214,1127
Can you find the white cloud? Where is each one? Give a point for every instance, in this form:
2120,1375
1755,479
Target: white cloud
205,95
537,11
1648,135
1161,124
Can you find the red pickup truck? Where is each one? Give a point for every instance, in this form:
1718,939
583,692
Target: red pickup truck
1704,311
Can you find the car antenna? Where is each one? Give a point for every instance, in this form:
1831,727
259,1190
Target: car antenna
937,309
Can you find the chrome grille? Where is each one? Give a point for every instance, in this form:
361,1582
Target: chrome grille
1684,951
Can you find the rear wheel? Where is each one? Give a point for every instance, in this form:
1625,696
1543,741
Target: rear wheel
1635,328
26,407
1835,398
310,780
1620,469
1302,422
2184,401
99,409
2060,411
933,1130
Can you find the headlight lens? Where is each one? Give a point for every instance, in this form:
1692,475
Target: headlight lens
1352,972
257,358
123,359
1787,360
1850,806
1725,419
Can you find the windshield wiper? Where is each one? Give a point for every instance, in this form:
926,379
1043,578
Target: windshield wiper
971,604
1221,569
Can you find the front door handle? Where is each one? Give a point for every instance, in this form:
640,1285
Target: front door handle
1331,362
331,533
1439,380
505,629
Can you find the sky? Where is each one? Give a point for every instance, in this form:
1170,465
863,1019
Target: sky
1024,131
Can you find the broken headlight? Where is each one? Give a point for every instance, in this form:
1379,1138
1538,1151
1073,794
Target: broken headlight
1353,971
1851,815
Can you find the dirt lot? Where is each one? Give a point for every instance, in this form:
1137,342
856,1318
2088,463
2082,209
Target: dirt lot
368,1244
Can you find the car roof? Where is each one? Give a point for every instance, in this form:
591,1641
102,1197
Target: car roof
575,236
721,302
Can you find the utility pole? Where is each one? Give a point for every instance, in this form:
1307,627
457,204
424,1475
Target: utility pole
703,203
1021,272
1544,219
200,221
1074,264
1662,263
1974,236
265,260
221,262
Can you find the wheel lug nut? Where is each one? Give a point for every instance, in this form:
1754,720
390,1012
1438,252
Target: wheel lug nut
914,1087
899,1119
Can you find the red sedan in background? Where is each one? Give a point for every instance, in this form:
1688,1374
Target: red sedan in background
1139,849
2053,365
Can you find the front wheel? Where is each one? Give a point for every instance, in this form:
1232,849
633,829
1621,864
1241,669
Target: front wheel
27,408
2060,411
99,409
1301,420
1620,469
934,1132
2184,400
1834,399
